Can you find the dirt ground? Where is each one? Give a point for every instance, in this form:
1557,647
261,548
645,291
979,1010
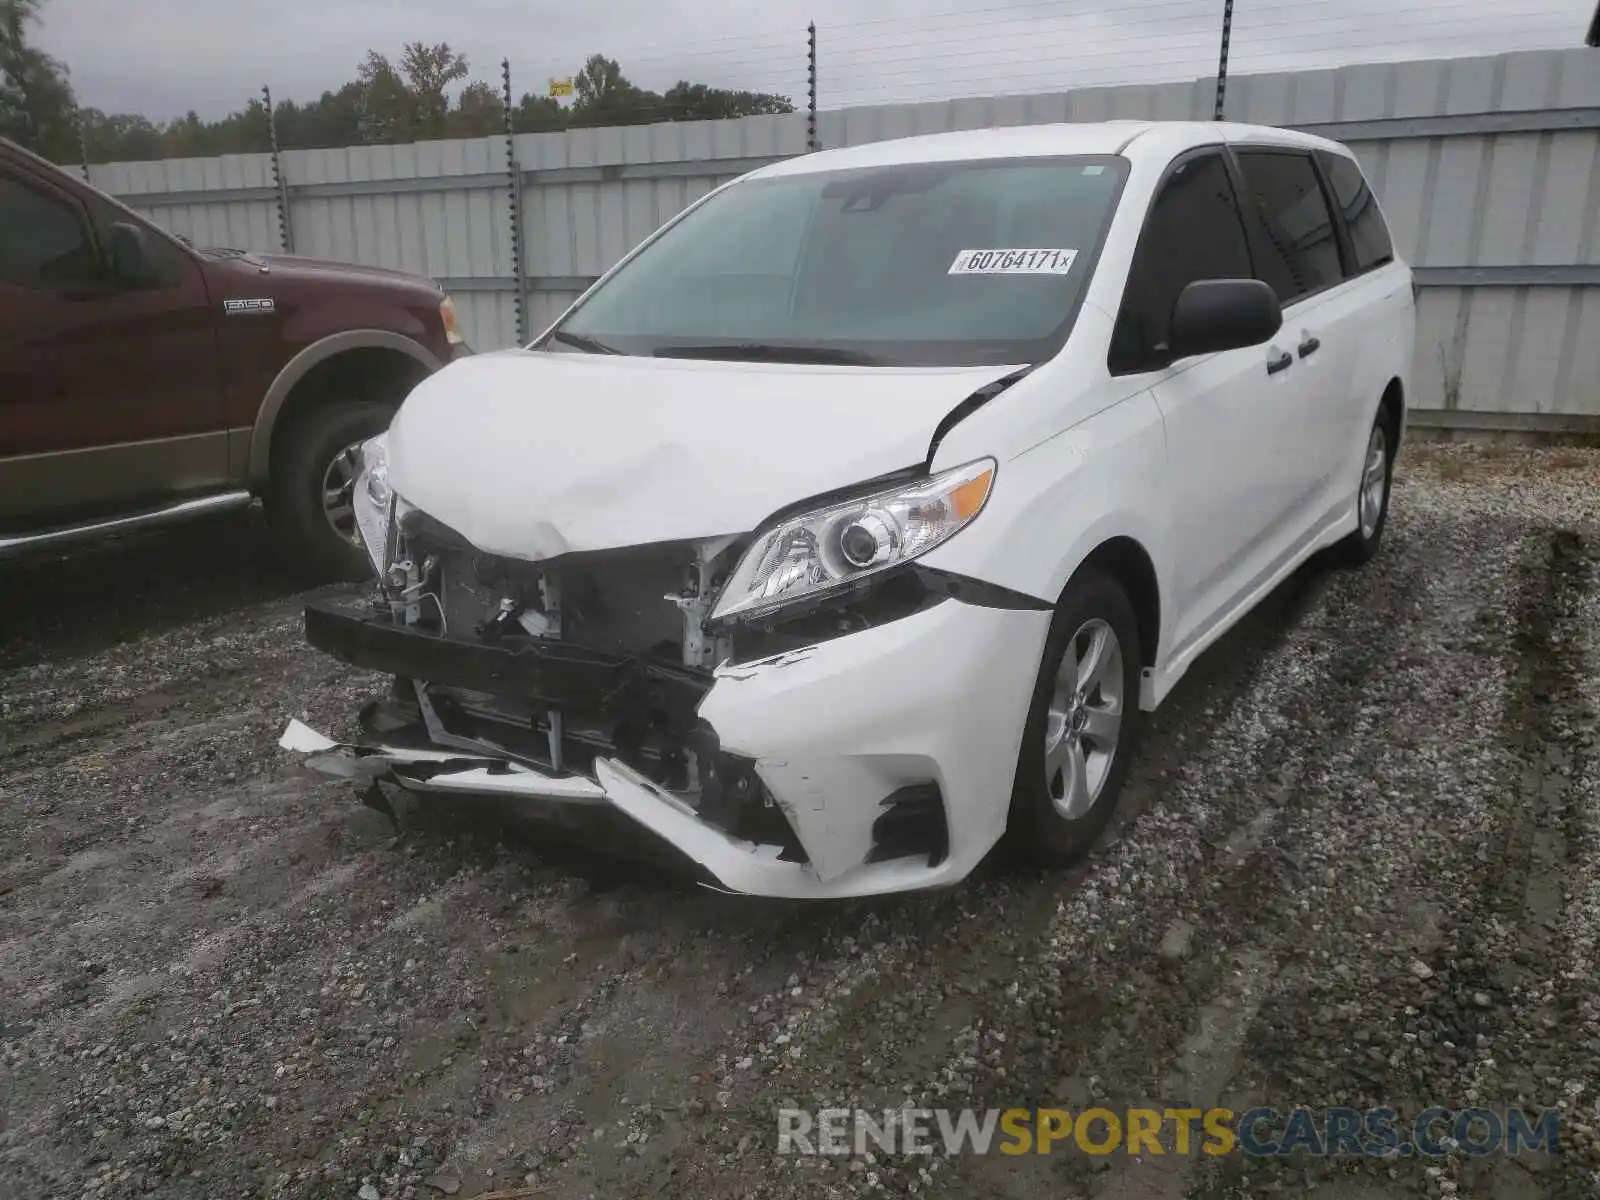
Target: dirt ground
1358,863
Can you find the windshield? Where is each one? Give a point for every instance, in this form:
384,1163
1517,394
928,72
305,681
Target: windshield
928,264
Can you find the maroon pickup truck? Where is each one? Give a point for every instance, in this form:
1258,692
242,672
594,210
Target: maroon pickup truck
143,380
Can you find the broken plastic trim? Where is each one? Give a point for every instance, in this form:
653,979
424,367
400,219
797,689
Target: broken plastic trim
969,406
911,825
872,600
975,591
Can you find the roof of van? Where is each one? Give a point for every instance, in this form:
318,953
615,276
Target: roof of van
1129,138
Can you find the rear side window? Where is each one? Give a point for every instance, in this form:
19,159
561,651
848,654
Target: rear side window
44,242
1300,253
1369,235
1193,231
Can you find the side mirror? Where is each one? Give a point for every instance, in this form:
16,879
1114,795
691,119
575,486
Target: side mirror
133,258
1213,315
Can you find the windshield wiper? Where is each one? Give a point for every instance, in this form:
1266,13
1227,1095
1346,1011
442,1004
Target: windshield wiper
582,343
765,352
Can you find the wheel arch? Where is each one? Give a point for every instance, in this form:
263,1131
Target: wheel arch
1125,560
1393,405
282,400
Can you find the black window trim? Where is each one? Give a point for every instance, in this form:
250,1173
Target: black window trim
52,191
1255,224
1186,156
1346,240
31,166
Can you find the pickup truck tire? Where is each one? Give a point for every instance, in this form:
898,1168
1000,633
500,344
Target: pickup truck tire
301,464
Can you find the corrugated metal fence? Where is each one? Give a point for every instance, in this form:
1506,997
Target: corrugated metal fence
1489,170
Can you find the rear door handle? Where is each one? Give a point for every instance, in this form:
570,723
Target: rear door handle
1282,363
1309,347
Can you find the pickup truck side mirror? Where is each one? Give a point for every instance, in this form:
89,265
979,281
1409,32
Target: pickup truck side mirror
134,263
1213,315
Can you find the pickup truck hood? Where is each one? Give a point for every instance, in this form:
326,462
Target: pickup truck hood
294,267
530,455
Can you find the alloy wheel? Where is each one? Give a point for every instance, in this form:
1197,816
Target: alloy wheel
1374,480
1084,719
338,494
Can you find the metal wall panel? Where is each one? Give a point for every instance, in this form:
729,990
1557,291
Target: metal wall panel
247,225
1462,187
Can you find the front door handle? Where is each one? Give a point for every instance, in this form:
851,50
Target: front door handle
1281,363
1310,346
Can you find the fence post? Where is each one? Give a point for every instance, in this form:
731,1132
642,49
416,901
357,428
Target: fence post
285,229
83,144
811,86
514,196
1222,63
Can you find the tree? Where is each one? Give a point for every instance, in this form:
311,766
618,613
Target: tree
388,110
538,114
428,71
599,81
332,121
479,111
383,104
687,101
120,137
36,102
605,96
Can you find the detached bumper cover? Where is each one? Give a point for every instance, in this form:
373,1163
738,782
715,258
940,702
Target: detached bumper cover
936,699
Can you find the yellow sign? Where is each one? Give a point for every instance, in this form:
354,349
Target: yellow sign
561,87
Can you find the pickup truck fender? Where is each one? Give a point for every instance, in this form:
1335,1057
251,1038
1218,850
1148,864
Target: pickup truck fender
298,367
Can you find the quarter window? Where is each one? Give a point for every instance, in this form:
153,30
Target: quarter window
1192,232
1369,235
44,243
1301,250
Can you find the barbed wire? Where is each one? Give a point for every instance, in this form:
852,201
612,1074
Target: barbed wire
1202,44
1022,47
1026,45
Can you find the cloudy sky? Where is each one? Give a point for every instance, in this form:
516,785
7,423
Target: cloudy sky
165,57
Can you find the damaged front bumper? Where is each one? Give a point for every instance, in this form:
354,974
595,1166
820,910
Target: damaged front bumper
881,761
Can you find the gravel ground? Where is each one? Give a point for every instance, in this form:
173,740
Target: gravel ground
1358,863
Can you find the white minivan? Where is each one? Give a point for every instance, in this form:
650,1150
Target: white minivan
851,522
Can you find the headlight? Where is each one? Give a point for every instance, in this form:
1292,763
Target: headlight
375,468
373,497
808,556
447,314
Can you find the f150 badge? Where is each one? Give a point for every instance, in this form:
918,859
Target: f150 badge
240,308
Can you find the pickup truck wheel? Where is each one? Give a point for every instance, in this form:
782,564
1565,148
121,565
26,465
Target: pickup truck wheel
1081,727
309,495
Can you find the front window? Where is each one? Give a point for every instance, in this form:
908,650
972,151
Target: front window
926,264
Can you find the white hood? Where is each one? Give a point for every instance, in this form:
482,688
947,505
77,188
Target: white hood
531,454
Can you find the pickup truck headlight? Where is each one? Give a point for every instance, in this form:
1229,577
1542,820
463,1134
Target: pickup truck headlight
806,557
447,314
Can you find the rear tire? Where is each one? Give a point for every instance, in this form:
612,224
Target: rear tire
313,462
1082,726
1362,543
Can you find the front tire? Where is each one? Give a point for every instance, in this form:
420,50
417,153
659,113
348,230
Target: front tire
1362,544
309,498
1082,725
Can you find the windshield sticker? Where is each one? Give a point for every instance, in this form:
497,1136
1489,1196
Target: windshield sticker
1013,262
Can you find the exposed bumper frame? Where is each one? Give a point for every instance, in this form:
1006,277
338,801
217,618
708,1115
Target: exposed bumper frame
835,730
561,672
